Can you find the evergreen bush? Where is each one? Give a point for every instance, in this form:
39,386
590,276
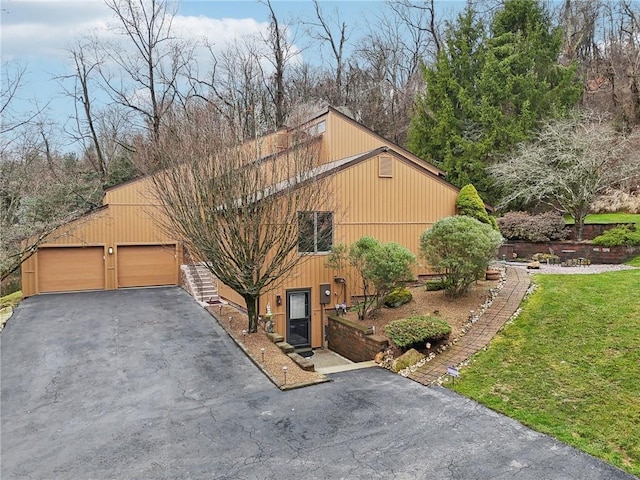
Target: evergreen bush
617,236
460,248
398,296
469,203
416,331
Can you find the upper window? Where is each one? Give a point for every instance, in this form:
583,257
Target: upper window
315,232
317,128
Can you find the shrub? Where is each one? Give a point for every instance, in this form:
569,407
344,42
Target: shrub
614,201
417,331
620,235
434,285
461,248
469,203
533,228
379,267
398,296
11,284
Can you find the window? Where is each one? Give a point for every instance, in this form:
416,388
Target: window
315,232
317,129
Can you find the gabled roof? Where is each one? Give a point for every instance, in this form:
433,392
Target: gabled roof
404,152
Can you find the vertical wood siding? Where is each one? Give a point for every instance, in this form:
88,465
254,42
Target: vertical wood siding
396,209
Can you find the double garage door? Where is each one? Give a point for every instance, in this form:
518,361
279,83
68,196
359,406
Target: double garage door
64,269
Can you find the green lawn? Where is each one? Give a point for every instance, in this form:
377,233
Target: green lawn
11,300
608,218
569,365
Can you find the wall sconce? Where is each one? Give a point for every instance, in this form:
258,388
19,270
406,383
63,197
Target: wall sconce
110,250
339,280
278,300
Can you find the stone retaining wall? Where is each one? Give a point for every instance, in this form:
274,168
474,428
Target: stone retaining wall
596,254
592,230
352,340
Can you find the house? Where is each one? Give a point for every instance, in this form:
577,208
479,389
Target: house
383,191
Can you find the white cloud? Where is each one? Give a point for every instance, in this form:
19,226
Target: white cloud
218,32
33,28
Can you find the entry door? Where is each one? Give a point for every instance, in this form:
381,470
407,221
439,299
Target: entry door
299,318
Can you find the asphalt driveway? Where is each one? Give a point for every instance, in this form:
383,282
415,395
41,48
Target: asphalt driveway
143,384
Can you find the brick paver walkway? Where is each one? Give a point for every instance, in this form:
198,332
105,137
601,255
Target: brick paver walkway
503,307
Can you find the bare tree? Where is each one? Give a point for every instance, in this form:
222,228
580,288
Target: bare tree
423,23
281,52
384,75
102,130
11,122
40,189
335,33
612,63
237,205
237,88
150,63
569,164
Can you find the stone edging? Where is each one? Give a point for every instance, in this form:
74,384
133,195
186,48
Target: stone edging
283,387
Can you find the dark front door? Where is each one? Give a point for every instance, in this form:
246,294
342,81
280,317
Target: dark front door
299,318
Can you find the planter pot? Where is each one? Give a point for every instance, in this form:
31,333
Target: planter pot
493,275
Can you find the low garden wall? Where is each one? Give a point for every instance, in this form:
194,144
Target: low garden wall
594,253
353,340
592,230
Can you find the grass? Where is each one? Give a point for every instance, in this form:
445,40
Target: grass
634,262
569,365
11,300
608,218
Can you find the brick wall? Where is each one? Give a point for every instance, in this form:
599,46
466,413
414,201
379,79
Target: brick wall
596,254
352,340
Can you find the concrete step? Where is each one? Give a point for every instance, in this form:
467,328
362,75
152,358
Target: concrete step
304,351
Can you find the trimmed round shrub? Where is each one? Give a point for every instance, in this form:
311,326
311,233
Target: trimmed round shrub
397,297
620,235
416,331
460,248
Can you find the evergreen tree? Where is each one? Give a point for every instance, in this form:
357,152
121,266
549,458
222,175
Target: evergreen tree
469,203
489,88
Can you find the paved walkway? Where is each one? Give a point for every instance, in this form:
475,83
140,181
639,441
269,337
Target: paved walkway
503,307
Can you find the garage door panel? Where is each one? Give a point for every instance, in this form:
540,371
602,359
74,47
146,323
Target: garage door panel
71,268
147,265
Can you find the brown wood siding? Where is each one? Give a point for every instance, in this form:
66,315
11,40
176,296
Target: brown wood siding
116,224
136,192
346,137
395,209
71,268
146,265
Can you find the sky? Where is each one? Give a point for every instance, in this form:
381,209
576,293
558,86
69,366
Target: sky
36,35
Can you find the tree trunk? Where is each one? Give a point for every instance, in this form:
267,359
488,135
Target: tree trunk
579,221
252,311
